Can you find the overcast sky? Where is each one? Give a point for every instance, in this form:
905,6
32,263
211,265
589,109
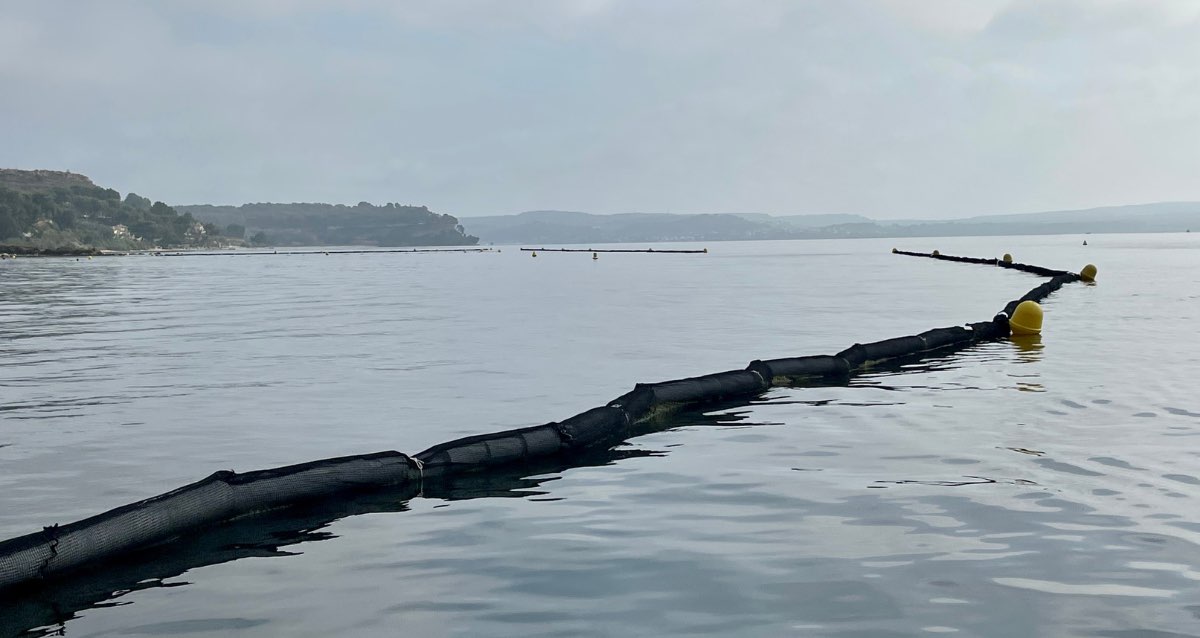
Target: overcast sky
890,108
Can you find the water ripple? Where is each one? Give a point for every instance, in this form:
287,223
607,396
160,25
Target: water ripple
1010,490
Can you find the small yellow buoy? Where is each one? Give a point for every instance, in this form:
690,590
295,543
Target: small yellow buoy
1088,273
1026,319
535,253
1007,258
937,254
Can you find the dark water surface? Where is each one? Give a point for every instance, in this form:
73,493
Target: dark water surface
1043,490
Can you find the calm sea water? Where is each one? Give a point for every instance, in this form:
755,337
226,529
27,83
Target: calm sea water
1044,490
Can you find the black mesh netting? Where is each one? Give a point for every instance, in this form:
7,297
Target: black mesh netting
487,450
220,497
804,368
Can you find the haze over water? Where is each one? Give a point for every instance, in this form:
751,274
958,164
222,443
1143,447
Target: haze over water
1047,490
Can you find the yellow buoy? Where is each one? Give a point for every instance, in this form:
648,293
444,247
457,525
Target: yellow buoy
1088,273
1026,319
937,254
1007,258
535,253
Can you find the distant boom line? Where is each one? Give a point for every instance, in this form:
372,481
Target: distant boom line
612,250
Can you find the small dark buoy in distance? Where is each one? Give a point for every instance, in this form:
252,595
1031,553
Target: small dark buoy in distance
1085,242
595,256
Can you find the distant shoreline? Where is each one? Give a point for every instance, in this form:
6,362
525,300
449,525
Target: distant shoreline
11,251
567,227
1079,234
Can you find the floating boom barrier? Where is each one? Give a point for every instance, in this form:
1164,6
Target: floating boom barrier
214,503
702,251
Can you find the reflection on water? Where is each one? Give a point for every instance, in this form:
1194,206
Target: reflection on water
922,499
1029,351
44,610
1029,347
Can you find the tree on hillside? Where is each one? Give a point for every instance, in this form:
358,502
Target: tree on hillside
137,201
64,218
8,225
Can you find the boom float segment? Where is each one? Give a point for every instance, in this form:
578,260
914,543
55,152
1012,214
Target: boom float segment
594,251
221,497
57,551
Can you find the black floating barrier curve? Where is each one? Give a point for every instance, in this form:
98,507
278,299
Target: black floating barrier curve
221,497
1033,270
42,609
57,551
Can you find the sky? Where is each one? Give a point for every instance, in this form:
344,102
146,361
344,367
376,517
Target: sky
889,108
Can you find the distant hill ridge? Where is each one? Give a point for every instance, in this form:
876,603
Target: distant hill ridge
1095,215
318,224
555,226
60,212
47,208
572,227
40,181
44,209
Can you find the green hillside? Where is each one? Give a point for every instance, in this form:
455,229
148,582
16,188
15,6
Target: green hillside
313,224
61,210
